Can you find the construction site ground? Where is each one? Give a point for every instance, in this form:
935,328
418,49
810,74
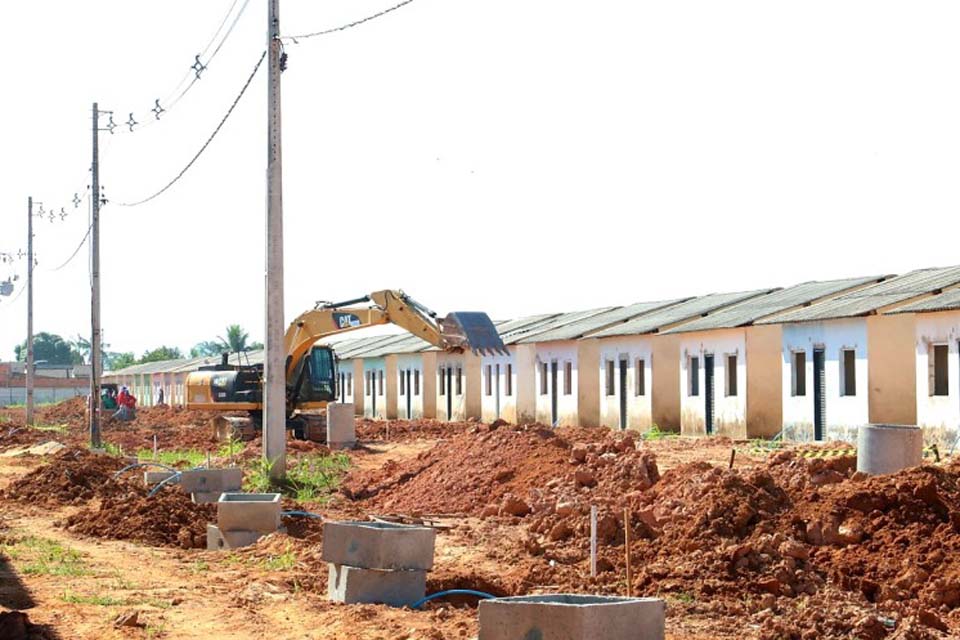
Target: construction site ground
781,545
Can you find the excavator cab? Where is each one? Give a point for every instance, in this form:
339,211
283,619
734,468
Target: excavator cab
316,380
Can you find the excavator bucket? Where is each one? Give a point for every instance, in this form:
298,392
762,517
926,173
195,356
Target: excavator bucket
471,331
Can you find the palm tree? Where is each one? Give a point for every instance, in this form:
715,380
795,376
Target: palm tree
236,340
82,346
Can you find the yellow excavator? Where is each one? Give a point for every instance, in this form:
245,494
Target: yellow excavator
311,368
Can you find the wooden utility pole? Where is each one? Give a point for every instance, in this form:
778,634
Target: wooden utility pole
95,353
274,365
30,311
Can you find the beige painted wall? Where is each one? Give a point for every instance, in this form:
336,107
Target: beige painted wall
474,384
357,386
891,345
588,383
429,384
764,381
525,365
392,384
666,382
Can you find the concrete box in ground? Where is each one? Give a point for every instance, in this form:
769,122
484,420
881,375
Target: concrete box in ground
353,585
211,480
206,497
221,540
249,512
341,425
888,448
378,545
151,478
572,617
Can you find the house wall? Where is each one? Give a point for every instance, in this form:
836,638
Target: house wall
346,382
764,385
938,415
410,398
844,414
588,377
392,384
561,352
665,350
359,400
639,413
374,394
428,360
525,359
730,412
892,366
466,404
494,402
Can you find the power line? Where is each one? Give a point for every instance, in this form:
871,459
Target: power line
75,251
205,144
191,77
349,25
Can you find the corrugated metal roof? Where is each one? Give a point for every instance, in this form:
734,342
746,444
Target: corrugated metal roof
407,343
363,344
946,301
752,310
582,326
693,308
528,334
869,300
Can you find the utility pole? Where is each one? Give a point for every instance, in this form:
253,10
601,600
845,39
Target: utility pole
95,442
274,365
30,311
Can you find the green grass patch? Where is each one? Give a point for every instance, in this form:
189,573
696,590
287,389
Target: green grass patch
282,562
53,428
192,457
230,448
655,433
100,601
309,479
42,556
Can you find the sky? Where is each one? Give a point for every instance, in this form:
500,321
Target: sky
503,156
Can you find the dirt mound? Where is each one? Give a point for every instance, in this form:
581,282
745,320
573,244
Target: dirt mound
73,476
467,472
72,411
168,519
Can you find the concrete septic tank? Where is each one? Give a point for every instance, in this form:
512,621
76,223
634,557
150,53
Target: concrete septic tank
572,617
258,512
888,448
378,545
341,426
151,478
353,585
218,540
211,480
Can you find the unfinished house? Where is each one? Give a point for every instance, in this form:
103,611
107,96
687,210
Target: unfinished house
730,366
506,395
937,337
410,377
456,398
638,383
566,368
845,363
355,374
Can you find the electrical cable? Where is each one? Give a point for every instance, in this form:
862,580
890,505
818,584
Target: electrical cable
349,25
205,144
75,251
193,74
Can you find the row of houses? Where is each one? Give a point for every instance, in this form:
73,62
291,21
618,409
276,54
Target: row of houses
813,361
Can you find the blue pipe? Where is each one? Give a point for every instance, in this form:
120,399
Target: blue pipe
304,514
451,592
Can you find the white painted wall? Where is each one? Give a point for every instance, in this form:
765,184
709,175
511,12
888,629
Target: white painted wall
938,415
495,402
346,384
458,401
639,407
730,411
561,352
374,407
412,363
844,414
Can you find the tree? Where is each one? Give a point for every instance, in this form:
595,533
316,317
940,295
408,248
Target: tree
50,348
207,348
255,346
82,346
161,353
236,340
114,361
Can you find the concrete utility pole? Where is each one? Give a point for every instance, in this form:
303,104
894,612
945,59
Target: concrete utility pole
30,310
274,373
95,287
